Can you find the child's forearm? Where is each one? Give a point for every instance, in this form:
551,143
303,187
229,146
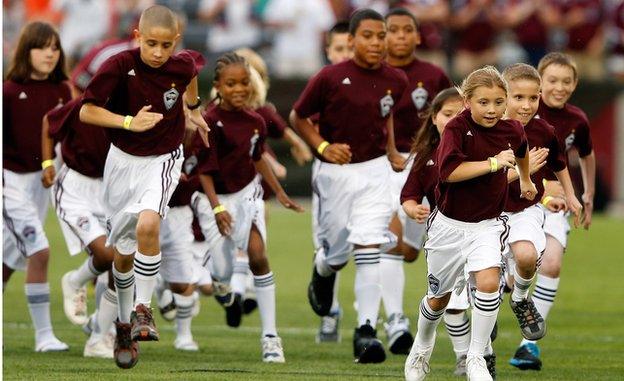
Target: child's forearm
209,189
523,167
307,131
588,172
47,143
99,116
191,95
469,170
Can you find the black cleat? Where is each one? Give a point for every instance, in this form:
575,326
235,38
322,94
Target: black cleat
249,305
234,311
490,361
126,351
527,357
532,325
366,347
321,292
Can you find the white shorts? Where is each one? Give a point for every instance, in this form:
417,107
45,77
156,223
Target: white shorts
201,255
77,200
455,248
355,207
556,225
176,238
413,232
527,225
134,184
246,208
315,204
25,205
460,297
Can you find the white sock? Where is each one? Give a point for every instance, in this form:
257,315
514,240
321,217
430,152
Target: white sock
484,314
367,285
101,285
184,314
265,293
38,296
322,267
543,296
335,307
105,315
146,268
458,328
392,283
521,287
428,321
124,285
83,274
239,276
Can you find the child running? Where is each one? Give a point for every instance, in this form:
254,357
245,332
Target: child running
35,84
466,233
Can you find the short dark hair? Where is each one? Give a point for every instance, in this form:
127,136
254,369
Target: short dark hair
401,12
361,15
341,27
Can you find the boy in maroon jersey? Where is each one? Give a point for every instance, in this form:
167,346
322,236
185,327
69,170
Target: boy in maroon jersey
354,100
425,81
144,162
35,84
559,79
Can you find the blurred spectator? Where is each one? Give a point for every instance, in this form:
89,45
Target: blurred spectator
432,16
231,24
41,10
615,62
380,6
13,19
297,43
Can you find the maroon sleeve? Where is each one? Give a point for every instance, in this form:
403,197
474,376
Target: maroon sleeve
556,160
582,141
58,118
104,82
311,100
275,124
450,150
197,57
260,143
412,190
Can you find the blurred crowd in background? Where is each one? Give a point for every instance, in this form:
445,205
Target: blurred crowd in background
458,35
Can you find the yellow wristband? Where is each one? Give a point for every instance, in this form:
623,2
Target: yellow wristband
546,200
47,163
321,147
127,121
544,182
218,209
493,164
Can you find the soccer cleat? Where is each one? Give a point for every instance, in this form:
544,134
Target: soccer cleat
249,305
143,327
490,362
329,331
321,292
476,369
126,350
532,325
185,344
417,363
167,306
51,344
74,301
527,357
400,339
460,366
99,349
272,350
234,312
366,347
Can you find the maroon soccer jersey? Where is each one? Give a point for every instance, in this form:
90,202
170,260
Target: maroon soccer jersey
571,126
23,108
91,62
354,104
482,197
422,183
124,84
275,124
84,146
236,142
426,80
539,134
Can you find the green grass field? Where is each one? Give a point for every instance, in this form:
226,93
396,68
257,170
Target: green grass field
585,338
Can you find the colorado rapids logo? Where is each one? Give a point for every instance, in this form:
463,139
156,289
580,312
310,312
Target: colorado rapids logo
170,97
386,104
570,140
419,96
83,223
30,233
434,283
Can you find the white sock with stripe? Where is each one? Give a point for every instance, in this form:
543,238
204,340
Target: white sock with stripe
101,285
521,287
367,285
239,276
146,268
38,296
105,315
83,274
458,329
484,314
428,321
392,283
124,285
184,315
265,293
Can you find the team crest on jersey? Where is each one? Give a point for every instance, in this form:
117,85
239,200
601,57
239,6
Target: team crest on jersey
569,140
83,223
190,164
419,96
430,163
253,141
30,233
386,104
170,97
434,284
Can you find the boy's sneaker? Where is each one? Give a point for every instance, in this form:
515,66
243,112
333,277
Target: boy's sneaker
272,350
74,301
321,292
527,357
400,339
476,369
51,344
366,347
185,344
417,363
460,366
329,331
126,350
490,362
99,349
143,327
532,325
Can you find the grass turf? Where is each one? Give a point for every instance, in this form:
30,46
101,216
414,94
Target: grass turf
585,337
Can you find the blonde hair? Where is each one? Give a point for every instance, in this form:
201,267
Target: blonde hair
557,58
487,76
257,62
521,71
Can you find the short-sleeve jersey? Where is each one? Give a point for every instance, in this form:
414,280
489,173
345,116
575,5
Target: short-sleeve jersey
87,66
275,124
422,183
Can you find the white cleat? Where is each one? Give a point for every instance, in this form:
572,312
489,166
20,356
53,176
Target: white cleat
74,301
186,344
272,350
417,363
51,345
98,348
476,369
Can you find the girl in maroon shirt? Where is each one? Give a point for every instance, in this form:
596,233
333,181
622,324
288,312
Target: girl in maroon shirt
35,84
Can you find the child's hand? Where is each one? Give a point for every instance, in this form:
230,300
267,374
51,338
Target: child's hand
145,120
283,198
224,222
506,158
576,208
555,204
337,153
397,161
537,159
418,212
553,188
196,122
301,153
588,209
527,190
47,176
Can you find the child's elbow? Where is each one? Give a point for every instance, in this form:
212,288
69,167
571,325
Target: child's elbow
84,113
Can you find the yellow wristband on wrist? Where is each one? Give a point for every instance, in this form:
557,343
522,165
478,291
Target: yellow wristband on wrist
47,163
218,209
321,147
493,164
546,200
127,121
